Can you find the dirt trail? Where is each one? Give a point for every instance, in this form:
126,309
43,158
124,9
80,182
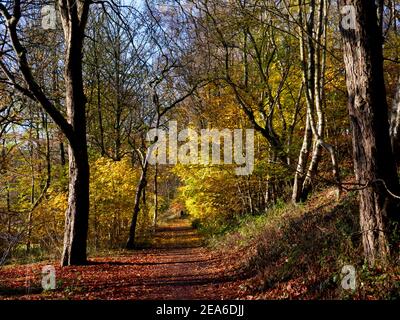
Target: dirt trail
176,266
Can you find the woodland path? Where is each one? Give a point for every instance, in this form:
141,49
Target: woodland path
175,266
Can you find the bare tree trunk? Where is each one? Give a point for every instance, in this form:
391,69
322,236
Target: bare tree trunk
302,162
373,156
155,197
62,153
141,186
293,124
33,183
313,56
118,106
98,95
243,199
77,214
308,66
395,123
317,60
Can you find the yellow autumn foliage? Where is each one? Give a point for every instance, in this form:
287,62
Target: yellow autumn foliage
112,193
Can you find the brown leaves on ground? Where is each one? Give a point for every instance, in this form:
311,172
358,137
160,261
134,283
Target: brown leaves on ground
296,260
175,267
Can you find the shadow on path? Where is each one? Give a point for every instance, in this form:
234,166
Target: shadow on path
175,266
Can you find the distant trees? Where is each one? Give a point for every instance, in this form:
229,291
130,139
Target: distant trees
274,60
168,83
115,70
252,54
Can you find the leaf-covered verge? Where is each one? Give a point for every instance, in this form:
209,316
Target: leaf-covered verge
298,252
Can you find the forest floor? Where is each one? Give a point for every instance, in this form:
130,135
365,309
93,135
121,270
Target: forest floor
293,252
176,265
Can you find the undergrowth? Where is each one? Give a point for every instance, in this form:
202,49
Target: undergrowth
298,252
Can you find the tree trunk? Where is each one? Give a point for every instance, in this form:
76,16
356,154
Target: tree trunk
301,185
312,171
33,184
98,95
62,153
313,58
142,184
395,123
368,110
302,162
77,214
155,197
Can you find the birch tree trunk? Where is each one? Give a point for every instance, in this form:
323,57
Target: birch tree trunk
313,58
302,162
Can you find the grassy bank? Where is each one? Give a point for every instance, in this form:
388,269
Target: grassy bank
299,251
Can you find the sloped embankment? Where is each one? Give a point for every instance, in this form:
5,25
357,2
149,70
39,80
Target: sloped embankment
298,252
